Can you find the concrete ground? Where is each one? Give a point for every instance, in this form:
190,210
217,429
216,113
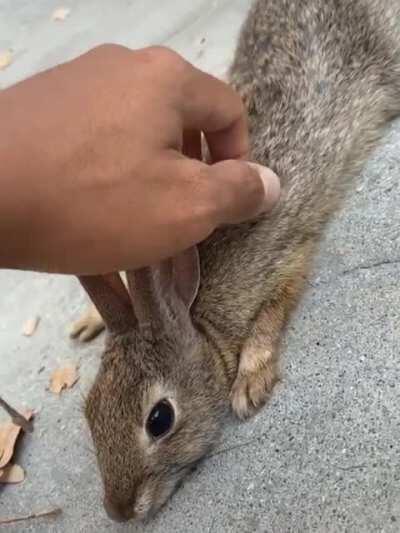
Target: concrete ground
324,456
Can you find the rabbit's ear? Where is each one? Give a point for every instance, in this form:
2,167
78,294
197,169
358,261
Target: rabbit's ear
111,298
149,287
186,275
145,294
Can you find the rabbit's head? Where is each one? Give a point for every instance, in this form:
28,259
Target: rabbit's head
155,408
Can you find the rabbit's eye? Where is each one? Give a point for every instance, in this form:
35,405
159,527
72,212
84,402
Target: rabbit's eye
161,419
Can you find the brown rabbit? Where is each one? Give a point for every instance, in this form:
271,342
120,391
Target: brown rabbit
320,78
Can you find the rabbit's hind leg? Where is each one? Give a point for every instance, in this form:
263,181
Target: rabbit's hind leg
88,326
258,364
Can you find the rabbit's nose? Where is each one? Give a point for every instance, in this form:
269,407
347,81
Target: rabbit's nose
114,511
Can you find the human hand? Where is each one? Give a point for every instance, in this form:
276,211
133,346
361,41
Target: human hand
93,174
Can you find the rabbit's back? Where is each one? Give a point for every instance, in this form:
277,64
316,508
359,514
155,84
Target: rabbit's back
319,78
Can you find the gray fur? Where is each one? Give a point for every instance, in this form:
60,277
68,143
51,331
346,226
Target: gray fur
320,78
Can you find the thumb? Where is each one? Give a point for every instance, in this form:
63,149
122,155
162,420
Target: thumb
241,190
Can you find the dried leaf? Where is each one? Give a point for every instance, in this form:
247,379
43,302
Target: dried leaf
61,13
5,59
8,436
12,473
63,378
30,326
17,418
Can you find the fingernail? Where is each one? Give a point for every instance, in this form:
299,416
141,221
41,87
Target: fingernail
272,185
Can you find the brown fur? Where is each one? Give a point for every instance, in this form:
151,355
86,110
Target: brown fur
320,78
258,363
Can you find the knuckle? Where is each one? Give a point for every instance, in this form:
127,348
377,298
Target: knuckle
203,198
254,189
240,174
196,219
164,57
242,187
107,49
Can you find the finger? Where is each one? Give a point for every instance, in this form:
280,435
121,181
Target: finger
210,105
241,190
230,143
207,196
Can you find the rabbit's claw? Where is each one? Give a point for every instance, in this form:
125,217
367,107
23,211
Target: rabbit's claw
88,326
255,380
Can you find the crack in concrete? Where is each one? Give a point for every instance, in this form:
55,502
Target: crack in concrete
377,264
358,268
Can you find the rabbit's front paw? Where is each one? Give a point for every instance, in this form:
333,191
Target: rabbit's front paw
256,377
88,326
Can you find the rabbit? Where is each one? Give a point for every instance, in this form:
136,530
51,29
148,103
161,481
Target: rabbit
198,335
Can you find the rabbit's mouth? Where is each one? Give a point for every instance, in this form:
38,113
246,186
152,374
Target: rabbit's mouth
140,511
156,494
151,495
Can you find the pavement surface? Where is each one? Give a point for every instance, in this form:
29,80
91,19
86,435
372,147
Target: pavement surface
324,455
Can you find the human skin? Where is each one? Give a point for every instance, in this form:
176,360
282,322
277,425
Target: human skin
101,165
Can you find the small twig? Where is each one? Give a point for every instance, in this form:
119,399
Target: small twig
44,514
17,418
